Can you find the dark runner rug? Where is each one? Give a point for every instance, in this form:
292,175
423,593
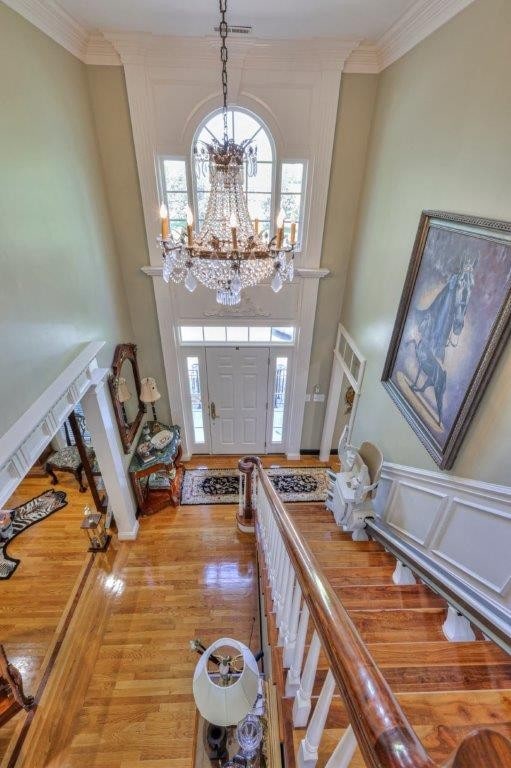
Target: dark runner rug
222,486
23,517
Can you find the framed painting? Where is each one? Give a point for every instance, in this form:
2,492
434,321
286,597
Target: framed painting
452,324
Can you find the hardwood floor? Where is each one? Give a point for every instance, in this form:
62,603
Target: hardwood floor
119,693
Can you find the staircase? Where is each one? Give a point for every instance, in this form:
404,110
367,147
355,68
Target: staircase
397,693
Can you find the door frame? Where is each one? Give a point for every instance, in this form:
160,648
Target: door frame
199,351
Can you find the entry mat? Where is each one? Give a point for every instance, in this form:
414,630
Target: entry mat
222,486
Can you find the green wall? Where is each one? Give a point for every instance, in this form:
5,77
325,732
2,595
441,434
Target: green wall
441,139
113,124
356,104
61,286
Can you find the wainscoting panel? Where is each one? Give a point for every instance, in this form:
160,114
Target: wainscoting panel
463,525
415,511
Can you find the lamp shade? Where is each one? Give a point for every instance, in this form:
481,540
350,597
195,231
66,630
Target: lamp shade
226,704
123,393
149,391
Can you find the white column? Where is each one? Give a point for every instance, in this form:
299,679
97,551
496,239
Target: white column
101,423
293,676
332,406
342,755
308,753
302,702
292,627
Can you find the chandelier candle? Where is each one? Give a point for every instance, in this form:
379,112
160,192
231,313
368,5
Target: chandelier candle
189,226
228,254
234,223
164,215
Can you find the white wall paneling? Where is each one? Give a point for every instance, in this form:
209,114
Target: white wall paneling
463,526
24,442
293,87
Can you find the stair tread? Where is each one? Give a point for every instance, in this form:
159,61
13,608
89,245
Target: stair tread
445,689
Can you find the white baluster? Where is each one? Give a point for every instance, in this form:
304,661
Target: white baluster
308,753
302,702
288,599
279,575
277,563
292,627
293,676
281,600
342,755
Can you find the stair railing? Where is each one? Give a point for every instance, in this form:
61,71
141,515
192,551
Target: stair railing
301,595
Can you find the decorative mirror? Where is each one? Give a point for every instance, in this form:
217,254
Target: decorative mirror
125,390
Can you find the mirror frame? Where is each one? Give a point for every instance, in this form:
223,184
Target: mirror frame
125,352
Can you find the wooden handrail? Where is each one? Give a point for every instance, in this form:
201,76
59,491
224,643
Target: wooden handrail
384,735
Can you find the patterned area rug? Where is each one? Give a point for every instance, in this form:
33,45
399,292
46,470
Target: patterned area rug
222,486
23,517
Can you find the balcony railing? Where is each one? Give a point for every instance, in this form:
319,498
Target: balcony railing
302,595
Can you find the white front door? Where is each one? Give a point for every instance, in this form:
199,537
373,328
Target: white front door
238,395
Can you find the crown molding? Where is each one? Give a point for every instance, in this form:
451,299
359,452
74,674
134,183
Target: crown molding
363,60
115,48
54,21
415,25
99,50
313,54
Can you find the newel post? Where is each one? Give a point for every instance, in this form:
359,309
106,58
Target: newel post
245,514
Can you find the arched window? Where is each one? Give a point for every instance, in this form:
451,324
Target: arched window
276,184
259,189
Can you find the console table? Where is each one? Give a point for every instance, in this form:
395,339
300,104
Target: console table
164,489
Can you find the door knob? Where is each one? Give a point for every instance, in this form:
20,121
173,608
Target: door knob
212,411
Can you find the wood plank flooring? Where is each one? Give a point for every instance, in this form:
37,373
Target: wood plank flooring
119,694
446,689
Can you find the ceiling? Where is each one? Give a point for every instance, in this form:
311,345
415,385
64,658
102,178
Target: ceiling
361,19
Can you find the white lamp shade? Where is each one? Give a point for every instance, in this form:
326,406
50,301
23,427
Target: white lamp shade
123,393
149,391
226,705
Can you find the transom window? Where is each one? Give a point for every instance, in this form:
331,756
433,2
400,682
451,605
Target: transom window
269,190
236,334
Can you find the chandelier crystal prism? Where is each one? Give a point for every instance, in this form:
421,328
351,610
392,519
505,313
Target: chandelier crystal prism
229,253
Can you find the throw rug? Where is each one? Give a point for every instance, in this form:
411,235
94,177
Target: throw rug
222,486
23,517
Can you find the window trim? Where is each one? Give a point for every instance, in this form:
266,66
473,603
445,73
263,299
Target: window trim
288,351
301,230
162,191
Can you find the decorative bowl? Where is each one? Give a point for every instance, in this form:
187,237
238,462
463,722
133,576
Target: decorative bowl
161,439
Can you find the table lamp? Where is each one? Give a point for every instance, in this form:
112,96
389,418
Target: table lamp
149,393
225,697
123,395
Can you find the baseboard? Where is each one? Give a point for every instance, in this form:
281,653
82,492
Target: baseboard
294,456
129,535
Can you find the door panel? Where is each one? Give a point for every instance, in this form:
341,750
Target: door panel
238,386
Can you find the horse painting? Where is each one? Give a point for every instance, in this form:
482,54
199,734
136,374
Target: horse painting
439,326
452,324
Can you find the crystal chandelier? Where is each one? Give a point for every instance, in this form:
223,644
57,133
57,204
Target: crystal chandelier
229,253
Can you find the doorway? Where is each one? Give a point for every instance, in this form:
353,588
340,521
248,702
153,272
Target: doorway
236,398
